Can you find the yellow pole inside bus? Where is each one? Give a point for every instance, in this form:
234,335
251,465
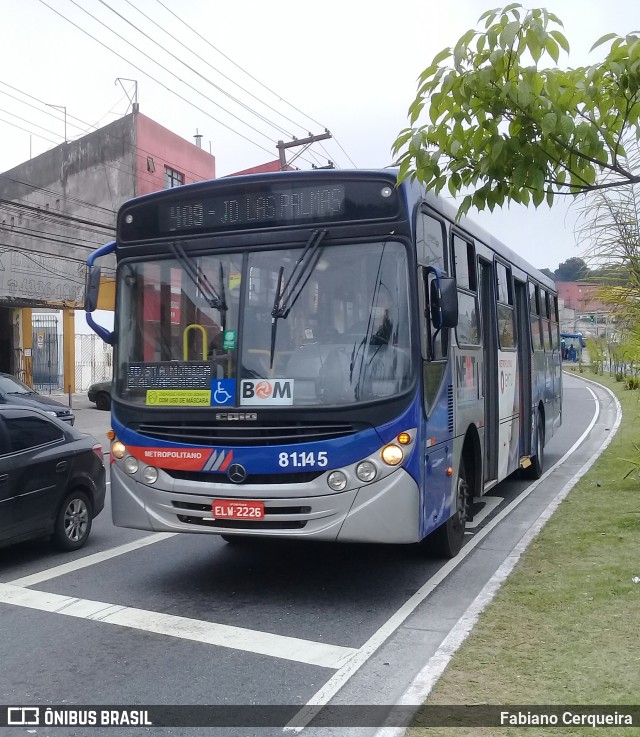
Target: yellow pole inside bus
185,341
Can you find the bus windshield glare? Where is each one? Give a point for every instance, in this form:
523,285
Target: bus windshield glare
202,326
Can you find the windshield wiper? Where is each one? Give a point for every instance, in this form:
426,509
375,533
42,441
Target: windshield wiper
287,295
199,278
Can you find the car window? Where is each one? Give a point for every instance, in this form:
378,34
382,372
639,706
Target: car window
11,385
28,431
4,440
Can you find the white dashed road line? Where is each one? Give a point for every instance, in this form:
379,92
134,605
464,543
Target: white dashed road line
89,560
195,630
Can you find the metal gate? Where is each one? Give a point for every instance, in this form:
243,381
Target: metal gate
93,361
45,352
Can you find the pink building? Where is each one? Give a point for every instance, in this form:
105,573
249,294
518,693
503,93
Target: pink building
580,296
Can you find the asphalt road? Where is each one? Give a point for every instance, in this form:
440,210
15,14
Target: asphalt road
136,618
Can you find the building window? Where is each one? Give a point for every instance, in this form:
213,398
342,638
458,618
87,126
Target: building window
151,164
172,178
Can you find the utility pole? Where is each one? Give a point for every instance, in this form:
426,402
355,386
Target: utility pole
306,142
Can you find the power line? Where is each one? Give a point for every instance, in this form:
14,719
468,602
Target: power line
48,239
164,86
244,71
126,170
239,67
25,231
248,92
157,63
63,216
195,71
29,255
83,122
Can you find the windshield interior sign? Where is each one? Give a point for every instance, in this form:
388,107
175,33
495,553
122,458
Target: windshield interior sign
266,391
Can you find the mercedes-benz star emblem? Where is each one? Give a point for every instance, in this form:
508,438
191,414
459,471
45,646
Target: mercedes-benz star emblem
236,473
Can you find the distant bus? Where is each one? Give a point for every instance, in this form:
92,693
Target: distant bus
321,355
572,338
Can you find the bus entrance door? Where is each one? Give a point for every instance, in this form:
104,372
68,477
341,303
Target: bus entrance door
490,371
524,365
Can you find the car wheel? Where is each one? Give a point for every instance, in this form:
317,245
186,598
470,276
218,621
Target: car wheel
103,401
73,523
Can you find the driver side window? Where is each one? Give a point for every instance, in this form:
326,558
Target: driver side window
431,251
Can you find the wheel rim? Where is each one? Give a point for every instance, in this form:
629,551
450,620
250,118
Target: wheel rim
76,520
462,499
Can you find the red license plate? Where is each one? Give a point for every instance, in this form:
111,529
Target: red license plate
230,509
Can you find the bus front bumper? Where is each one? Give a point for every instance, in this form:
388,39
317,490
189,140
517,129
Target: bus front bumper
385,511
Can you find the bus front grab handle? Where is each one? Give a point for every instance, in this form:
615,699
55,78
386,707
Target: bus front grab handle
185,340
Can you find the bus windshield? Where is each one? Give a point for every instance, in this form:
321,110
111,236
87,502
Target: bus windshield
192,323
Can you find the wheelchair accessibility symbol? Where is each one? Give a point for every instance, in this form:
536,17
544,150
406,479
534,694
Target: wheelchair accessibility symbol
223,392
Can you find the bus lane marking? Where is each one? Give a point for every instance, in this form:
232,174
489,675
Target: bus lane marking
309,652
423,683
322,697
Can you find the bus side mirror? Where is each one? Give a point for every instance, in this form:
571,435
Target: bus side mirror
443,300
92,288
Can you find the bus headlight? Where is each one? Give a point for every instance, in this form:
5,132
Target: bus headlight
366,471
337,480
392,454
150,475
118,449
131,465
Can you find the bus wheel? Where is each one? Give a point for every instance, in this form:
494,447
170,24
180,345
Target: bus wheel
446,541
536,469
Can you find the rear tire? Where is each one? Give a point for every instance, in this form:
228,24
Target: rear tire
73,523
536,469
446,541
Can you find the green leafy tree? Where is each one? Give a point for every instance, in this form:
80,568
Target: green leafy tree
608,231
573,269
501,127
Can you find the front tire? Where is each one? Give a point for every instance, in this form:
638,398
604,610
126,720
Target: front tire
73,523
446,541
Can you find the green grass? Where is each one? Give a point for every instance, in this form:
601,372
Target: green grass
565,627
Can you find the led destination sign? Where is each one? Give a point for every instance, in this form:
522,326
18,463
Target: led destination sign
216,208
303,204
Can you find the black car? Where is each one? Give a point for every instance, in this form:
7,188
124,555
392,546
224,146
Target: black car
14,391
52,478
100,393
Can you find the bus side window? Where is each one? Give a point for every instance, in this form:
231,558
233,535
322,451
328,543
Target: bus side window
555,328
464,254
430,242
506,315
536,328
544,313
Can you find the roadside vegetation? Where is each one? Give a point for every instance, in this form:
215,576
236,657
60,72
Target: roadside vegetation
564,627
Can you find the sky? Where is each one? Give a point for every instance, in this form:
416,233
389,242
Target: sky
346,65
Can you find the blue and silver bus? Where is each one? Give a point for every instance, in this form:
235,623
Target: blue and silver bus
321,355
